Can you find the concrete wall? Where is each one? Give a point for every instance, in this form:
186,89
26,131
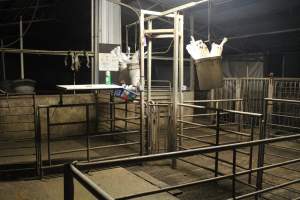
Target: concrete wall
20,106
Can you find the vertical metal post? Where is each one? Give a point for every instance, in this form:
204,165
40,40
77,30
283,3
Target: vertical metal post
217,143
96,112
111,115
127,38
135,37
87,116
192,68
212,104
68,183
149,64
126,116
96,41
173,133
39,142
21,48
36,145
74,81
261,154
48,136
233,172
93,41
209,21
3,62
114,111
142,83
149,142
251,150
268,106
36,139
238,106
126,121
61,102
181,72
283,66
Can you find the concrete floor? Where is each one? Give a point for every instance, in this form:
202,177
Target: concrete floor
51,188
117,182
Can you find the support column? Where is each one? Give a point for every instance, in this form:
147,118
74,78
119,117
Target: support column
149,64
269,105
142,84
68,183
212,96
127,39
238,104
192,67
181,73
173,133
92,41
96,41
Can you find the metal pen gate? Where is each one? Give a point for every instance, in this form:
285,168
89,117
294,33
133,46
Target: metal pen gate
254,90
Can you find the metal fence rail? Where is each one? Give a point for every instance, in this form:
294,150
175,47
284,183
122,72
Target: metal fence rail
283,115
92,132
254,90
73,170
221,127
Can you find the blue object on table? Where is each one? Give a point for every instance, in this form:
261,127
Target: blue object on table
125,94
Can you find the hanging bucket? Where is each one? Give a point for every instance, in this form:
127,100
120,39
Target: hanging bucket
123,74
134,73
209,72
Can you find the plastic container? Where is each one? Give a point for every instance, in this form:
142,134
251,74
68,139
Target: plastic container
24,86
209,73
107,78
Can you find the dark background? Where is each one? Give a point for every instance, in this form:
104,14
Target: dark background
65,25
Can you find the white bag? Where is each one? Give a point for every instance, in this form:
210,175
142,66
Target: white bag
217,49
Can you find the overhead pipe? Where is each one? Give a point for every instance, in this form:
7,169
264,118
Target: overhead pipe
171,11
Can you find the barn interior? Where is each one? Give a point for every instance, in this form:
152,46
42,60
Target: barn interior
150,99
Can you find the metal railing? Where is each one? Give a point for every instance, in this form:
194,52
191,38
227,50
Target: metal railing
92,131
254,90
73,171
221,129
283,115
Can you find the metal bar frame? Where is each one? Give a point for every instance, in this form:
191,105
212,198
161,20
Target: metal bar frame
73,170
40,165
178,61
